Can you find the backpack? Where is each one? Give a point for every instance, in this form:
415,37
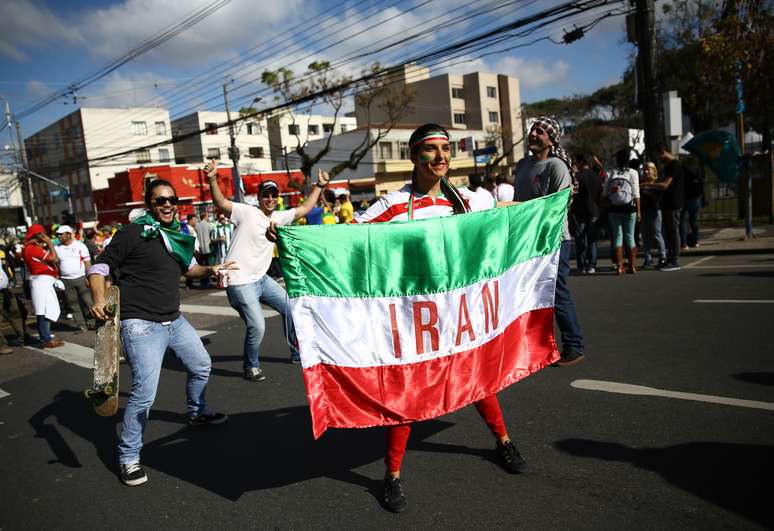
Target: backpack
621,193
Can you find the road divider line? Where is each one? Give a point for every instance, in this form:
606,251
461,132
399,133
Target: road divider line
736,266
697,262
641,390
205,333
217,294
70,353
3,394
733,301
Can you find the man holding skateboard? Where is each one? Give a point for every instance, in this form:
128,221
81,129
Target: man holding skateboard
151,254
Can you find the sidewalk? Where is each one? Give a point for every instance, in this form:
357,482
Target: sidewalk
731,241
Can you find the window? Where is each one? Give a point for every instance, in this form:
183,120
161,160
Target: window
211,128
314,129
143,156
491,92
344,128
213,153
253,129
163,154
493,118
403,148
139,129
385,150
459,118
458,92
161,128
294,129
327,128
256,152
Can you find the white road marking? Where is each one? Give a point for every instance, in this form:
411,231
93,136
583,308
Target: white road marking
84,356
71,353
736,266
220,310
628,389
697,262
217,294
3,394
733,301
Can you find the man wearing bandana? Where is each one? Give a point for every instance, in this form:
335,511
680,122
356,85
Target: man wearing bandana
546,171
151,255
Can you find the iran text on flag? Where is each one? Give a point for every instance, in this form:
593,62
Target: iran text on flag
407,321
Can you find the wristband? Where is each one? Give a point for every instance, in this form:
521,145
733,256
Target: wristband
318,185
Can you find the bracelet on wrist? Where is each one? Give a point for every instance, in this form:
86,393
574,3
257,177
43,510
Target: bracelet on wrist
318,185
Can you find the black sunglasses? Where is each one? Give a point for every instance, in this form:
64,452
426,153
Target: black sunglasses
270,195
162,200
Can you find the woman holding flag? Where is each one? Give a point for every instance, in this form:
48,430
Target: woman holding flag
430,194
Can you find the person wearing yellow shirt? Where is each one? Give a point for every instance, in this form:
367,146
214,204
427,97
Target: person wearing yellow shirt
346,210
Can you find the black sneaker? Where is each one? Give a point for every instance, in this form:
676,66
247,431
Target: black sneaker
510,458
670,267
394,500
570,357
254,374
207,418
132,474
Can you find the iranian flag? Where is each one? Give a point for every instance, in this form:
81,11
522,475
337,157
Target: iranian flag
408,321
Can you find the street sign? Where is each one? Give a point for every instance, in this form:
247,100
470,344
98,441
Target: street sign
482,159
488,150
466,144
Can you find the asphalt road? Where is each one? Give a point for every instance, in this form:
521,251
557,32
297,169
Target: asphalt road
597,459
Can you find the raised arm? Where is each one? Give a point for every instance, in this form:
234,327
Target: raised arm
211,170
314,195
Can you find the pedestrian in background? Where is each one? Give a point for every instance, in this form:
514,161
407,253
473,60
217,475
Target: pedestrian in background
74,260
650,226
689,216
545,171
622,190
221,237
585,212
40,258
672,201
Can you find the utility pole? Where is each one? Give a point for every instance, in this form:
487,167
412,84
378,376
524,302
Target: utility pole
27,194
233,151
645,21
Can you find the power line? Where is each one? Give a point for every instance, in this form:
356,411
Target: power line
144,47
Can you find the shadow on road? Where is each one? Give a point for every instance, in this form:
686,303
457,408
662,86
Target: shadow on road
763,378
70,410
268,449
721,473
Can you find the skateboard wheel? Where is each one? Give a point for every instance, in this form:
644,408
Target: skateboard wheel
108,390
88,393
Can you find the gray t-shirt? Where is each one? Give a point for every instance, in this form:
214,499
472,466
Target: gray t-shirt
203,233
538,178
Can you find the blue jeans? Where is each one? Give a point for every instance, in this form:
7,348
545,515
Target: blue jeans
690,216
651,233
622,228
564,307
145,343
44,328
586,244
246,299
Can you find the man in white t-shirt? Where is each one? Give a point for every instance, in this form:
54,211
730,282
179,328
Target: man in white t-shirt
250,285
74,259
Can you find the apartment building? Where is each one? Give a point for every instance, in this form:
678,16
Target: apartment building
477,101
252,140
288,129
64,151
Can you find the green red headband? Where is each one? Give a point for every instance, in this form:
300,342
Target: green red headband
432,135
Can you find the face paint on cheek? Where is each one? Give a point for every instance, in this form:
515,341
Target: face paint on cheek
426,157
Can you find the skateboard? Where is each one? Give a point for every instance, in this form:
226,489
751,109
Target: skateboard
107,348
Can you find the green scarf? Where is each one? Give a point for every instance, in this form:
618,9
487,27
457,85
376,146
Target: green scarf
179,245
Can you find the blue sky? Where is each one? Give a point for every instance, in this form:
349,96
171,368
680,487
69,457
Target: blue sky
49,44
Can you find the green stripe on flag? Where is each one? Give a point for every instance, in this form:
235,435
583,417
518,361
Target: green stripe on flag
418,257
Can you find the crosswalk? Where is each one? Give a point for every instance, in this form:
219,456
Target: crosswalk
83,356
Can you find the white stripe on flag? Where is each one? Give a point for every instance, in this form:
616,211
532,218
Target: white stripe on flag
362,331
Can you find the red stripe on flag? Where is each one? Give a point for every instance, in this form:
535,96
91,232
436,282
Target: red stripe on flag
402,208
360,397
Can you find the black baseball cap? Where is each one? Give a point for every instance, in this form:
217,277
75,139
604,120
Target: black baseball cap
266,186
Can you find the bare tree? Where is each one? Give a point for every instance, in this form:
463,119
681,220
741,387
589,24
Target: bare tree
496,137
394,99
